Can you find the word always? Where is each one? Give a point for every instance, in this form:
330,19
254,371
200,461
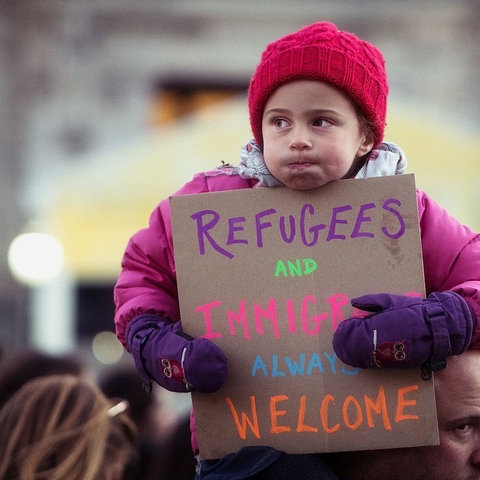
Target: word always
300,367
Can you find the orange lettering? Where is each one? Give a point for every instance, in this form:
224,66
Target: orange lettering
242,427
275,428
380,406
402,403
324,414
346,419
301,427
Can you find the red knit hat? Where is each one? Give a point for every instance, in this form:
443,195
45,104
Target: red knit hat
322,52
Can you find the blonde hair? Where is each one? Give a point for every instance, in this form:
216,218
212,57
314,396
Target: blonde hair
60,427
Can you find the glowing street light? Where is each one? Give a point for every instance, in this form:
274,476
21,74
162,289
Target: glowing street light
35,258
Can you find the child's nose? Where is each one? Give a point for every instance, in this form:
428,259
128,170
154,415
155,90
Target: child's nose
301,139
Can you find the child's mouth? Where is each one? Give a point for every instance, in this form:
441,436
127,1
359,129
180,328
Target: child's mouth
300,165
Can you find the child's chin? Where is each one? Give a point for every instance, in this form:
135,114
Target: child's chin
305,184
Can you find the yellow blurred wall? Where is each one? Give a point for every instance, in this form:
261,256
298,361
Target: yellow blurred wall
103,202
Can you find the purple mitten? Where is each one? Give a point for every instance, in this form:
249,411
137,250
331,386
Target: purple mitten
405,331
176,361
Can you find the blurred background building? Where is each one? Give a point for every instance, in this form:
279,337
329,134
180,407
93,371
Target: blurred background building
109,106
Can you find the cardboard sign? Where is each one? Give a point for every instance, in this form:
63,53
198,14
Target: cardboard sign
268,274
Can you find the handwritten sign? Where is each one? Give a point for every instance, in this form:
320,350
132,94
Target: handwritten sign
268,274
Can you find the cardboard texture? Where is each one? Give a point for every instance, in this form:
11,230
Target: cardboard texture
267,274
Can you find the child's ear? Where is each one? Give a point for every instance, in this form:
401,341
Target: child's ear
366,145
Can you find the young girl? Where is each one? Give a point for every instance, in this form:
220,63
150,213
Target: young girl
317,104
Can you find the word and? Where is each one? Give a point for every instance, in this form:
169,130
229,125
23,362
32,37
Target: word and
341,222
292,366
297,268
353,412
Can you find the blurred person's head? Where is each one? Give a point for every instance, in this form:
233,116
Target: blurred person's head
124,382
23,366
63,427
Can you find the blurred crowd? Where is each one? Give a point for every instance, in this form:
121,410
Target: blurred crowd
60,419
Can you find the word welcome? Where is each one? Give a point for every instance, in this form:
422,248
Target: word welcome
306,226
353,412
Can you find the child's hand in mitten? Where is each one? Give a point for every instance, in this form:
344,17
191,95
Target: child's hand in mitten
405,331
176,361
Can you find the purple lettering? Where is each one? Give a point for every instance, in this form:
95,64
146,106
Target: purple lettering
283,233
361,218
260,226
202,232
232,228
331,231
401,221
308,208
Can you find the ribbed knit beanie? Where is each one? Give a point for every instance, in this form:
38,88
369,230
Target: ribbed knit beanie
322,52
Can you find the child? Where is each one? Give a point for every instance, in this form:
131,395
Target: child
317,103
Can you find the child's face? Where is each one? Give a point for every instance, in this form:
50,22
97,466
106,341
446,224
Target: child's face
312,134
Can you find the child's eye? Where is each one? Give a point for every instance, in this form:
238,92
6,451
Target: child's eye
322,122
280,122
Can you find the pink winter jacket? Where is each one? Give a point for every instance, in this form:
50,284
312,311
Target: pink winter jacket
147,282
